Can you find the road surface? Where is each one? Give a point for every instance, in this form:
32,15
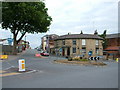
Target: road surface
51,75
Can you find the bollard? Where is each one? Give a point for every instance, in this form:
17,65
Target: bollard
117,60
21,65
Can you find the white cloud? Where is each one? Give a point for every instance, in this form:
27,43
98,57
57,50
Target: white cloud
85,14
76,15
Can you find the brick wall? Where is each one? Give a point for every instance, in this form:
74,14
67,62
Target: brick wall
113,42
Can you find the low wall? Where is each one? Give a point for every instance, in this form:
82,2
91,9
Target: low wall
5,49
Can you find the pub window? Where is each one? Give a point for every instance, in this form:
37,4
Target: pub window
83,42
97,50
74,49
63,42
97,42
74,42
83,50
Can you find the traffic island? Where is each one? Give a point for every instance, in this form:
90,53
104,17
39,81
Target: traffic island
16,70
84,62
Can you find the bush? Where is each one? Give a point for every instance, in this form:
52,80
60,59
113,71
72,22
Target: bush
69,58
84,60
76,59
79,59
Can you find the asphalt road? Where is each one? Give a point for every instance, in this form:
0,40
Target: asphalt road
51,75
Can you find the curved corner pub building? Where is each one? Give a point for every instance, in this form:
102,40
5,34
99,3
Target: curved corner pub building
79,45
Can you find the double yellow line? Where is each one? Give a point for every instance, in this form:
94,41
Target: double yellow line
5,73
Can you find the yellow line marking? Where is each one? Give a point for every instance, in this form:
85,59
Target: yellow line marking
2,61
2,71
8,74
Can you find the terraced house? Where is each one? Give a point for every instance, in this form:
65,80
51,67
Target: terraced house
79,44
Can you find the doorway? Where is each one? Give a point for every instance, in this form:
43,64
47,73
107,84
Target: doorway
68,51
63,52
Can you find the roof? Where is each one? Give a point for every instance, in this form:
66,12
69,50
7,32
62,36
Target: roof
113,35
79,36
112,48
50,35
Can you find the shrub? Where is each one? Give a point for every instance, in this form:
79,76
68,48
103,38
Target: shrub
76,58
69,59
84,60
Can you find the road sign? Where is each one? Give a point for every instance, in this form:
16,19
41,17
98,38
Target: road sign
90,53
94,58
10,40
60,50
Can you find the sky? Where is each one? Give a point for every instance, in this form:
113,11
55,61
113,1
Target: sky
72,16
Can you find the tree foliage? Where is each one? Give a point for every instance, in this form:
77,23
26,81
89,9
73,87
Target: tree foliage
25,17
95,33
81,32
104,39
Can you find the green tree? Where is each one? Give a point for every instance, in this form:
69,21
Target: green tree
104,39
25,17
81,32
95,33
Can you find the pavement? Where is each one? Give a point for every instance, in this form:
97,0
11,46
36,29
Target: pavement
47,74
8,71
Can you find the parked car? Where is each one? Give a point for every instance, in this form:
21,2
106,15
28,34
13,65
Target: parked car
44,54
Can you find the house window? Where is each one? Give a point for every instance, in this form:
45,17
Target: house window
74,49
83,42
97,51
97,42
63,42
83,50
74,42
